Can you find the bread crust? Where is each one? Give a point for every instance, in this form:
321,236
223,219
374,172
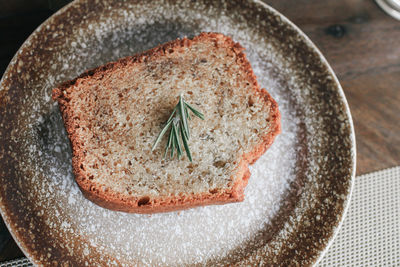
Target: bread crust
118,202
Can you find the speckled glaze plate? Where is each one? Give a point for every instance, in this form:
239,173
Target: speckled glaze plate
297,194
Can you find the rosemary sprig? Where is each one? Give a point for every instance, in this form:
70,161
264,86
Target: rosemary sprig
179,127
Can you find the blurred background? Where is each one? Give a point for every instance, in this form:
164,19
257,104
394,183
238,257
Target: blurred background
359,40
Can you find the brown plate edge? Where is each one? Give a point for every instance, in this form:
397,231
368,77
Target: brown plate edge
343,98
306,40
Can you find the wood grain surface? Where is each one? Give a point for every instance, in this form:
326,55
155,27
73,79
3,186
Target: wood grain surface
359,40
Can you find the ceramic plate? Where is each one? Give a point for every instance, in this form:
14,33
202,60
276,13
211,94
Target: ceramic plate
298,191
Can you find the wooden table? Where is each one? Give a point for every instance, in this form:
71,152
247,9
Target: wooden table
359,40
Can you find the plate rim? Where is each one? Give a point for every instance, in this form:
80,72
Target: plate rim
307,41
3,214
310,43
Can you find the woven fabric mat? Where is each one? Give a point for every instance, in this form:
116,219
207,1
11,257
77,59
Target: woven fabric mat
370,234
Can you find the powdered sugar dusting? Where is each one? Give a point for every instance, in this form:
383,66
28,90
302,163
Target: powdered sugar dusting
191,236
194,236
186,237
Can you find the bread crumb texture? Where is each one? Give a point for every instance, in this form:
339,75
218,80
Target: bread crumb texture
113,115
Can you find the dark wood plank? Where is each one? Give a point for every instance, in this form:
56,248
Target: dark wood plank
10,251
357,38
15,29
8,248
362,45
375,105
4,235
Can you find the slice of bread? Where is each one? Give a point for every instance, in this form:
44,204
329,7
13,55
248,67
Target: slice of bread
114,113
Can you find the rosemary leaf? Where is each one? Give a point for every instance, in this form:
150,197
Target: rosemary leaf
184,134
177,143
169,143
165,152
187,112
172,142
183,116
163,131
185,144
172,115
195,111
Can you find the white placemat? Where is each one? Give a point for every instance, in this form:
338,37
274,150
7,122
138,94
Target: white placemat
23,262
370,234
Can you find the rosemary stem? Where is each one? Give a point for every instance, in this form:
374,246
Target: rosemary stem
178,126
